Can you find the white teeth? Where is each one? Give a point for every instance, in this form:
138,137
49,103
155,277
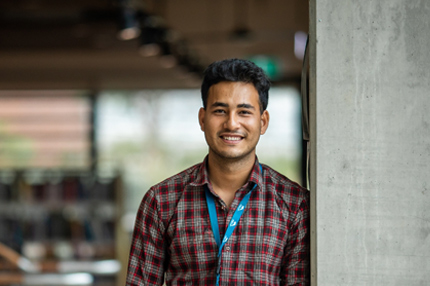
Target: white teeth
232,138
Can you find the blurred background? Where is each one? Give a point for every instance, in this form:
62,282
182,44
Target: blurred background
99,101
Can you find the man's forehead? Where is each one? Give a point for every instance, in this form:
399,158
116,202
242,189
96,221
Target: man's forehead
232,90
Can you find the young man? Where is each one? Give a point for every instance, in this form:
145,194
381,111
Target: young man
228,220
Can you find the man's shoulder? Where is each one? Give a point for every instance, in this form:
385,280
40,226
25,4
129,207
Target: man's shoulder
161,200
290,192
179,180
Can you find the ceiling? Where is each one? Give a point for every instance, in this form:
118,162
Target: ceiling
73,44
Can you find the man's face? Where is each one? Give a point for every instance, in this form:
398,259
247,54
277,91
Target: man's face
232,121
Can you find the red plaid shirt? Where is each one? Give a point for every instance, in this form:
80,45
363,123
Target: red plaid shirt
173,239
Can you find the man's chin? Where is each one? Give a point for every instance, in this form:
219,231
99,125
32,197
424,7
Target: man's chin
233,157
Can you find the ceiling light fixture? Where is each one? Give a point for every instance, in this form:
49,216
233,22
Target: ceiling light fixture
150,40
167,59
129,24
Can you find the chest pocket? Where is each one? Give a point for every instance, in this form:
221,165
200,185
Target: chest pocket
191,246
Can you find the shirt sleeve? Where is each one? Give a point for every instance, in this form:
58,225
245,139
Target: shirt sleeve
147,254
296,263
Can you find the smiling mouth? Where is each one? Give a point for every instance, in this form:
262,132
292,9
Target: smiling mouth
232,138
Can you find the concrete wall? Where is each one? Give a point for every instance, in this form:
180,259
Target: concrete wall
370,141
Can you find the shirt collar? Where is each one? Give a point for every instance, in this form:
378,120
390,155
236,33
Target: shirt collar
202,177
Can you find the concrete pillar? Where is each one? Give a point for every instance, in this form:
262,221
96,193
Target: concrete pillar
370,141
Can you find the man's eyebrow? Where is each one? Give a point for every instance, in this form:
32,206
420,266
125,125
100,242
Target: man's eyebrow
242,105
245,105
219,104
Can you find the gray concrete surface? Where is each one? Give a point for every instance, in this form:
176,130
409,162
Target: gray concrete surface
370,117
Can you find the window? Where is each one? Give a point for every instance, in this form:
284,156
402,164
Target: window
44,129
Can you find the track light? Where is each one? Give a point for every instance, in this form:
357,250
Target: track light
150,39
129,24
167,59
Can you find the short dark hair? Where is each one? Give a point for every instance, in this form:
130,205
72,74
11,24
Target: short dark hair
236,70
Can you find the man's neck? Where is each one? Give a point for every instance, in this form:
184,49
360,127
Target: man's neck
227,176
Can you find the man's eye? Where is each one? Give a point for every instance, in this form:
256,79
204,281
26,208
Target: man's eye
244,112
219,111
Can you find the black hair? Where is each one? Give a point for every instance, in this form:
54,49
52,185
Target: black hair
236,70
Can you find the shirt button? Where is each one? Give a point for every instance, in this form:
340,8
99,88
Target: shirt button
223,208
227,248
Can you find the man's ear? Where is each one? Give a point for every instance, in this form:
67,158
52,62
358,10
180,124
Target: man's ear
202,113
264,121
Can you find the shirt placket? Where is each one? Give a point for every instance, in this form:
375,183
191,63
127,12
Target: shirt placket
224,217
223,214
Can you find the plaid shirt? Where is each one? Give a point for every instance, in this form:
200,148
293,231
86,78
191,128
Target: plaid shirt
173,234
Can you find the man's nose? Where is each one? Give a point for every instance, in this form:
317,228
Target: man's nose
232,122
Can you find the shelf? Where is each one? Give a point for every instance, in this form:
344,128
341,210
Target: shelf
67,222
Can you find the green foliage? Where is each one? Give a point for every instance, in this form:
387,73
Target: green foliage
15,150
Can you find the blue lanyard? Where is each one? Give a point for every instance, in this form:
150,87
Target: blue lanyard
231,226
